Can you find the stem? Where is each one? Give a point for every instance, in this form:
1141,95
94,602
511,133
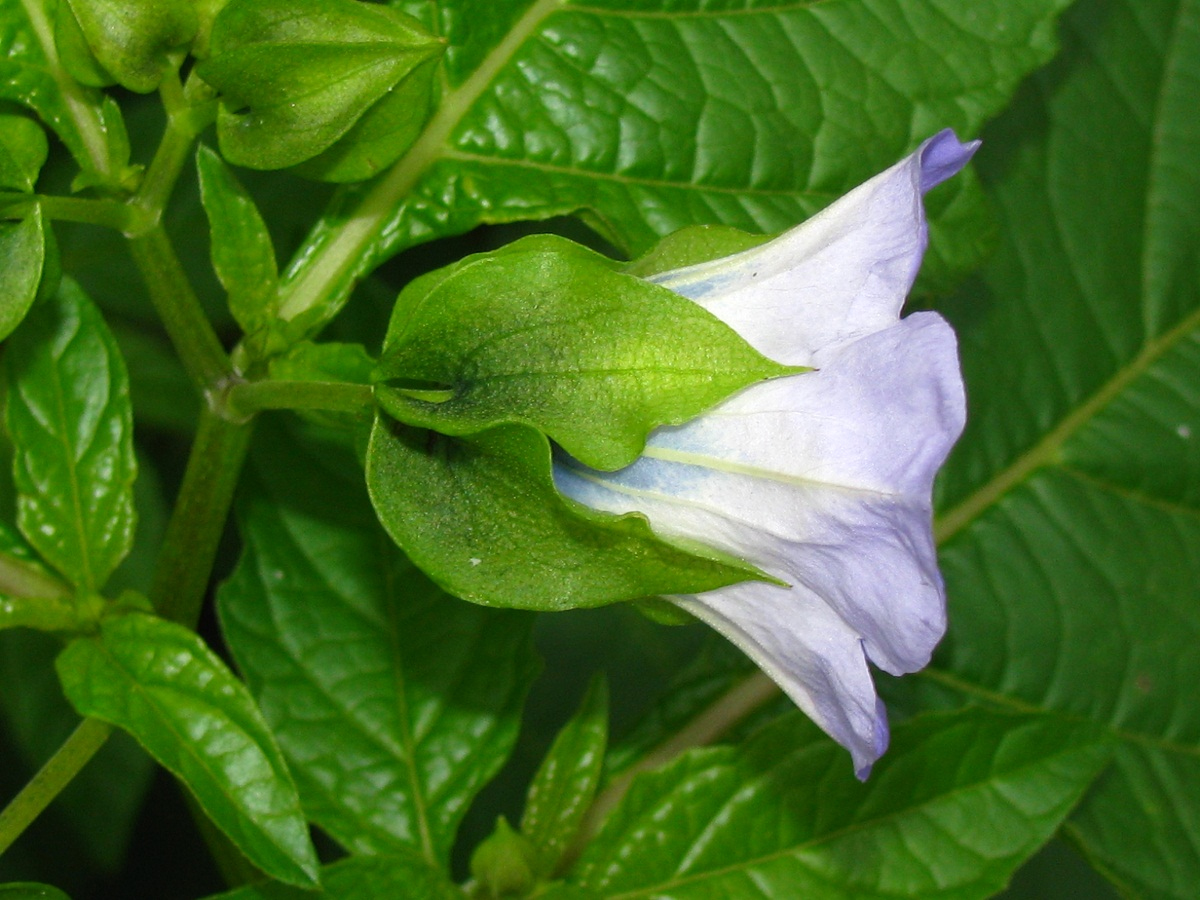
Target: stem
246,398
316,275
185,120
179,308
55,775
730,708
107,213
198,520
21,579
84,112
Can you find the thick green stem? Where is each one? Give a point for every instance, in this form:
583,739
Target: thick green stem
194,531
179,308
249,397
55,775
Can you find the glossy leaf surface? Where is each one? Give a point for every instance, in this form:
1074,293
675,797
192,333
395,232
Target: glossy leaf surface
565,783
393,702
778,817
71,422
360,878
161,683
638,114
1069,517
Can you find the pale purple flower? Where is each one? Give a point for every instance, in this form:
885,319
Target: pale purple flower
823,479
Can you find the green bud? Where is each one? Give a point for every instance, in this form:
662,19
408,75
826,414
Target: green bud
503,864
340,85
126,42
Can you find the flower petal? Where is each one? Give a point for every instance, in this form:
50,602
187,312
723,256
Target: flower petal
822,479
841,275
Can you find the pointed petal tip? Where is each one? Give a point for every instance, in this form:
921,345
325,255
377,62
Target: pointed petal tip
943,156
865,761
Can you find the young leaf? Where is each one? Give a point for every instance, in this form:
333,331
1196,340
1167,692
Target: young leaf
296,75
1070,505
481,517
23,150
42,613
27,890
652,116
133,41
161,683
71,424
777,818
242,254
546,333
23,249
396,875
565,783
411,698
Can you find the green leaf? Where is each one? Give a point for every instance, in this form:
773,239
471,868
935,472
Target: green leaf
23,249
397,875
242,254
546,333
1070,506
23,150
103,802
71,424
161,683
42,613
297,75
411,698
135,41
648,116
32,75
779,818
481,516
329,361
565,783
29,891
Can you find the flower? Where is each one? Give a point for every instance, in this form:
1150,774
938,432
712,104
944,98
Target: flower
822,479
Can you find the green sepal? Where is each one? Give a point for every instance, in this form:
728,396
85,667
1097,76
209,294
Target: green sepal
131,42
692,245
565,784
547,333
243,255
160,682
297,75
503,863
481,517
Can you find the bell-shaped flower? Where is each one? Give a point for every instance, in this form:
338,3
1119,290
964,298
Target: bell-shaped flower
822,479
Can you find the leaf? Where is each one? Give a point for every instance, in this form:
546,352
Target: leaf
411,699
546,333
23,249
779,818
71,424
27,890
161,683
565,783
31,74
242,254
513,540
1070,506
296,75
42,613
23,150
648,116
360,878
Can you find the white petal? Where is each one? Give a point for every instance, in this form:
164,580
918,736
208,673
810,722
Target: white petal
839,276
